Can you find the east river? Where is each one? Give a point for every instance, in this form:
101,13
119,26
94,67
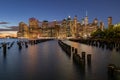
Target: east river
47,61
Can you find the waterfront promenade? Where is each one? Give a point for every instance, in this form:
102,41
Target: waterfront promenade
47,61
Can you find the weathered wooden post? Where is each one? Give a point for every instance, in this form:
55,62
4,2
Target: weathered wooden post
83,55
72,49
89,59
76,51
4,48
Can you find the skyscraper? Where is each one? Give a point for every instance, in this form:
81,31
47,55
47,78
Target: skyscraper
33,27
109,21
101,25
95,21
23,30
74,34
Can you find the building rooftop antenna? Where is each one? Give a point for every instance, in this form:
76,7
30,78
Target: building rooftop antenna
86,13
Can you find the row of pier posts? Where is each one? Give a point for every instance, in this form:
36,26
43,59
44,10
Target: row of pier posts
107,44
25,44
6,46
20,44
65,47
113,71
80,60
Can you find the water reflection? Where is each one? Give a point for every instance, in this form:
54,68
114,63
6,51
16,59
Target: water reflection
30,64
4,55
46,61
97,69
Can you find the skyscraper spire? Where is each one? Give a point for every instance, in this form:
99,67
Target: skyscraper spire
86,18
86,13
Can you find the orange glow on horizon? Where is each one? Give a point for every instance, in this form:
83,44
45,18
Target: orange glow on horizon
8,33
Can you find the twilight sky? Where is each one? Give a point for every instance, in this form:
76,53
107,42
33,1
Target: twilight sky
14,11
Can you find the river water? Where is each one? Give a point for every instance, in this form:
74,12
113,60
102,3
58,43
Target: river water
47,61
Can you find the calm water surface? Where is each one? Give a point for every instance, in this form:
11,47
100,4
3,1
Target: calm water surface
46,61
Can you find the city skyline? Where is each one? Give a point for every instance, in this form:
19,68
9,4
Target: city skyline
13,12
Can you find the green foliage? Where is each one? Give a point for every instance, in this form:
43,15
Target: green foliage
98,33
111,32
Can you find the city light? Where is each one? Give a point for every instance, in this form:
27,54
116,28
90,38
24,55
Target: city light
67,28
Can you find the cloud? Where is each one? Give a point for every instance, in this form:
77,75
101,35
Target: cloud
16,28
4,27
10,28
4,23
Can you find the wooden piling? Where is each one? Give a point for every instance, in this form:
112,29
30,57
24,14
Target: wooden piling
4,48
89,58
83,55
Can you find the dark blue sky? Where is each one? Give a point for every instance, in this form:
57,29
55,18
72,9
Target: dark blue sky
14,11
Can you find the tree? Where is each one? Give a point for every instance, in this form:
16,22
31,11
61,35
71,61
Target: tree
109,33
98,33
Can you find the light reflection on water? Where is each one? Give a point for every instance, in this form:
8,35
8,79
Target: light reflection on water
100,59
7,40
46,61
97,53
